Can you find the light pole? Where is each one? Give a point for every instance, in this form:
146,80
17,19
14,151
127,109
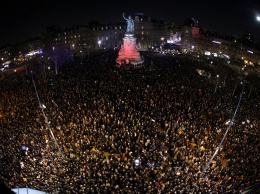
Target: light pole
216,84
234,89
224,83
42,106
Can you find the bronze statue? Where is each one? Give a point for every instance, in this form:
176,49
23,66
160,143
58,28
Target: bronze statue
130,24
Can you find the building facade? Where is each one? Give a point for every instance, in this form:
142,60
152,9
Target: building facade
153,33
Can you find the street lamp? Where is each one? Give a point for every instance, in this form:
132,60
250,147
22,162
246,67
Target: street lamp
161,46
99,43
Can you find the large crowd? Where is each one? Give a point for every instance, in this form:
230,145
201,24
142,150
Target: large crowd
154,128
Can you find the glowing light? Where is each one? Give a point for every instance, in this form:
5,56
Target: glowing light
226,56
250,51
217,42
258,18
229,122
215,54
137,162
43,106
99,43
207,53
31,53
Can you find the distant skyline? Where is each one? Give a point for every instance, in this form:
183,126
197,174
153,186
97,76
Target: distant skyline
31,18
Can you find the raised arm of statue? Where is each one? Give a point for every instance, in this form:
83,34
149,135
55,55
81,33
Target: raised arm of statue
124,16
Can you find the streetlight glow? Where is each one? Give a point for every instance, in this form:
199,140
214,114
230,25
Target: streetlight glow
258,18
99,43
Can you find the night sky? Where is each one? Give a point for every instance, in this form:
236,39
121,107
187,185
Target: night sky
30,18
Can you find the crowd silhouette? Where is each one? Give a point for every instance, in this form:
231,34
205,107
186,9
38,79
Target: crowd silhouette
131,129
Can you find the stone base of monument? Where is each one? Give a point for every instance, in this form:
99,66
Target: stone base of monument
128,54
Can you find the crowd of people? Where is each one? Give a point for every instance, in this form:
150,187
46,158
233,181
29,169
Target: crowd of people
154,128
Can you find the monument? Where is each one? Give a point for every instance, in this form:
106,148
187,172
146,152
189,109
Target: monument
128,53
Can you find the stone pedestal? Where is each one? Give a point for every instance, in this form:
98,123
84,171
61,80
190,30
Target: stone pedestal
128,54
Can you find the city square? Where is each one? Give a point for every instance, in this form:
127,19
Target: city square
143,106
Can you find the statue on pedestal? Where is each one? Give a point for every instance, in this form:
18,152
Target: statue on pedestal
128,53
130,24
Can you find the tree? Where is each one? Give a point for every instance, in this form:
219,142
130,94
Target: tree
57,54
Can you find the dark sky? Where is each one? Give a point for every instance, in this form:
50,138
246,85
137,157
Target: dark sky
21,18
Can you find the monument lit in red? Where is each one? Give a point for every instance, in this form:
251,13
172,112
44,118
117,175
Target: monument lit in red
128,53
